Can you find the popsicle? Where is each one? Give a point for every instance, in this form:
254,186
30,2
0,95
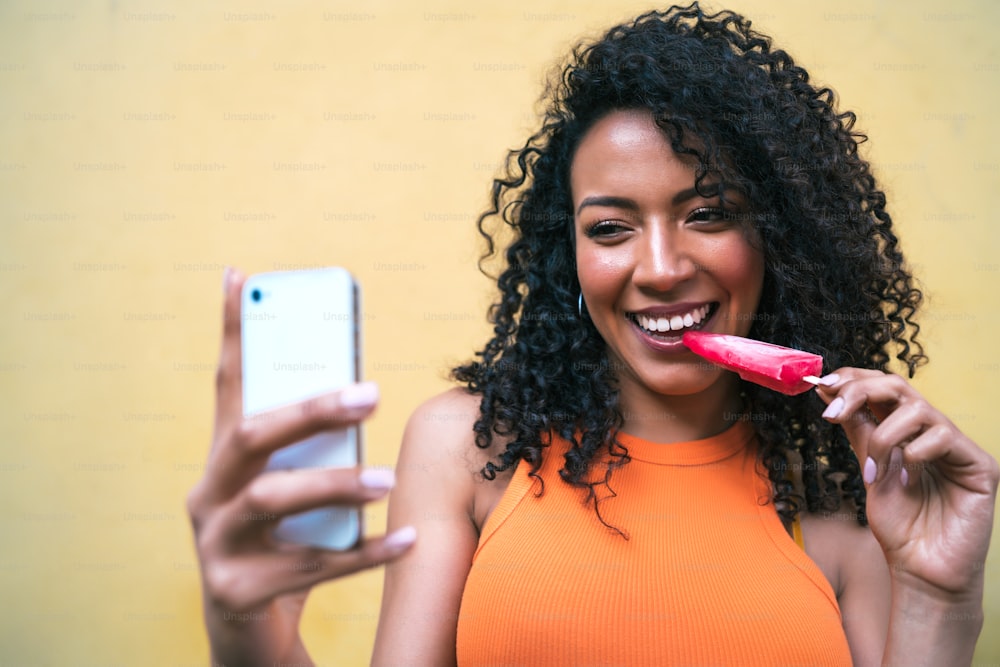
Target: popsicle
773,366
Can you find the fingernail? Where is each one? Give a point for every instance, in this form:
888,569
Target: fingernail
871,470
829,380
834,409
225,279
377,478
363,395
400,539
904,477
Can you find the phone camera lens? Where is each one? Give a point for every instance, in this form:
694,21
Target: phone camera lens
255,295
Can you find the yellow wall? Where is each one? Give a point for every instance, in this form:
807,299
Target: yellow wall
143,146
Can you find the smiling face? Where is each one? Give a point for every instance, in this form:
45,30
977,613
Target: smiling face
655,258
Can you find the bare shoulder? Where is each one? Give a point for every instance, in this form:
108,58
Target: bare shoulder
450,414
441,430
434,493
853,562
837,543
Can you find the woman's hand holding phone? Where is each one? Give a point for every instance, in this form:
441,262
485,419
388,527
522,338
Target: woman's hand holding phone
254,586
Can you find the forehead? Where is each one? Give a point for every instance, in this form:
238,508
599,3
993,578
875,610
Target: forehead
625,151
626,129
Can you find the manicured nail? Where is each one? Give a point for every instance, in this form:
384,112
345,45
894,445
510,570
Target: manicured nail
226,273
904,477
379,479
834,409
401,539
871,470
363,395
829,380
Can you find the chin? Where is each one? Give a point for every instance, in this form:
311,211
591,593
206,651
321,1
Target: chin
681,384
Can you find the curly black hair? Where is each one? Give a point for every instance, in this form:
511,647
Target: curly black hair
835,281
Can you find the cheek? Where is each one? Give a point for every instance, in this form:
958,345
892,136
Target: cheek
601,273
743,270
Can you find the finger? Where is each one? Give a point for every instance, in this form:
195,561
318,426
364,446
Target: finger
902,412
280,493
881,392
830,384
247,581
245,450
250,517
901,425
898,429
858,424
266,432
887,498
952,455
888,480
229,375
859,400
228,394
318,565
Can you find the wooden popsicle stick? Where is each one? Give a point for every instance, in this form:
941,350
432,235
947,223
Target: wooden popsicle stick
811,379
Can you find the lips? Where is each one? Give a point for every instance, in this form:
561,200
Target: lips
673,322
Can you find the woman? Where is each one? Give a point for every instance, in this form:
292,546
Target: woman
596,494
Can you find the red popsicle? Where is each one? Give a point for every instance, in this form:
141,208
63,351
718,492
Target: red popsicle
773,366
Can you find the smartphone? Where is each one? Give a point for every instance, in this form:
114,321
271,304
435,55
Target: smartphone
301,338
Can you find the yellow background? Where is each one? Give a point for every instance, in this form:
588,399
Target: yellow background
145,145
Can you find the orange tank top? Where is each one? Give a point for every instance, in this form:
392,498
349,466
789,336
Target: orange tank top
708,576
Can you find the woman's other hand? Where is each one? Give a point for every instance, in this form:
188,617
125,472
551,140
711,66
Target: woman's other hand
931,493
254,586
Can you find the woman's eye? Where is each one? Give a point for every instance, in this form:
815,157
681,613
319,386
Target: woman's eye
604,228
711,215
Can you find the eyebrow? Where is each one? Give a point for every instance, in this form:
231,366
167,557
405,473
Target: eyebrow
710,190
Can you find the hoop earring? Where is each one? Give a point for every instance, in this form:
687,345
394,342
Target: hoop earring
579,305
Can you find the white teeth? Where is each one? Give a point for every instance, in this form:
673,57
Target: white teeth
675,323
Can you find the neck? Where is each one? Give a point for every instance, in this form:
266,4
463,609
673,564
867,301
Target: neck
660,418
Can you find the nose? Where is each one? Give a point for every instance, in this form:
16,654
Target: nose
663,260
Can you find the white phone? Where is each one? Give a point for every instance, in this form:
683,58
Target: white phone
301,338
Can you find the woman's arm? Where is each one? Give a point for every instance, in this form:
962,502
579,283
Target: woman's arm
435,487
930,503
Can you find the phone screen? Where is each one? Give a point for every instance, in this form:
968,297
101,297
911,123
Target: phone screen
301,339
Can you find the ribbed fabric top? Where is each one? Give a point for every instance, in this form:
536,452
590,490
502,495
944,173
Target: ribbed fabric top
708,576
